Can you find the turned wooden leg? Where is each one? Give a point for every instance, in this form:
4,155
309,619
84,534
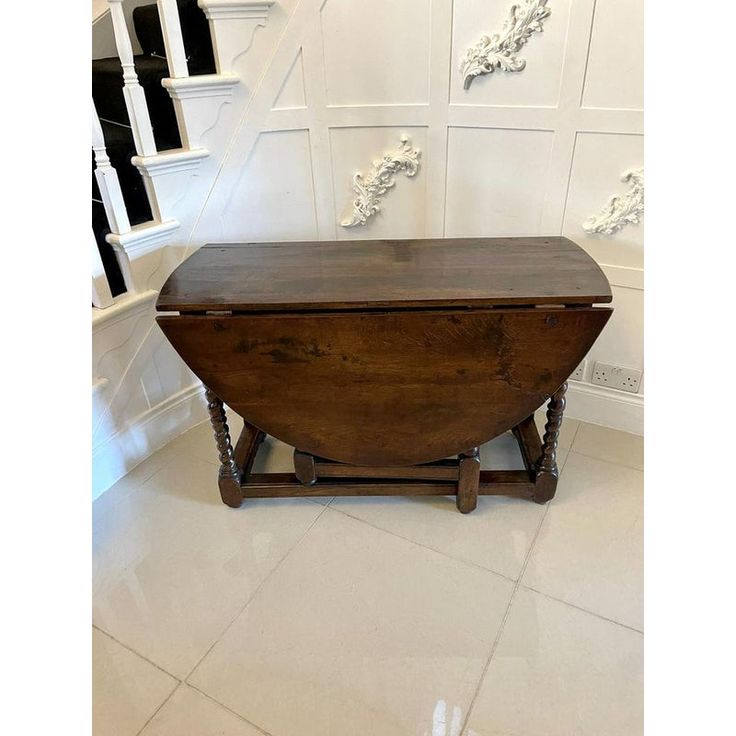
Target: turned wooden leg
304,468
229,476
546,467
467,481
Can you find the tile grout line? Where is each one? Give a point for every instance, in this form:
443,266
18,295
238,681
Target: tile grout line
424,546
325,506
560,469
179,682
140,483
153,715
254,594
505,618
229,710
156,472
574,434
517,585
593,457
137,654
582,610
608,462
513,597
444,554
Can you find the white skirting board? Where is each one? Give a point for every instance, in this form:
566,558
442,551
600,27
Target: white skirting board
605,406
119,454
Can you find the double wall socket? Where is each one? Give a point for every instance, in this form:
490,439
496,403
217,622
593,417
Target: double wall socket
615,376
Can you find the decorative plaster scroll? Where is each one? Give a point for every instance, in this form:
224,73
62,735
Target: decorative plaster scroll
620,210
381,178
499,51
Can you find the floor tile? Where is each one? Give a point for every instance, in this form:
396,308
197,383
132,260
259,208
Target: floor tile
558,671
189,713
358,632
173,565
496,536
590,549
610,444
274,457
501,453
126,690
135,478
199,442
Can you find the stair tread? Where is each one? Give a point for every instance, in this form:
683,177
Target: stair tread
107,93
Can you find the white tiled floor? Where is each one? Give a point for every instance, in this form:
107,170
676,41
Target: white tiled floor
375,616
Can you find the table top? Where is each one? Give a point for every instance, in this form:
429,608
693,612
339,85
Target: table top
392,274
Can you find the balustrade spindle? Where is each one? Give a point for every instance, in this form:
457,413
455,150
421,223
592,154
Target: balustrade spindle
113,202
176,56
135,98
101,295
107,180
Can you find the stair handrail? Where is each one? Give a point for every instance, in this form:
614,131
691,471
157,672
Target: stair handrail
135,98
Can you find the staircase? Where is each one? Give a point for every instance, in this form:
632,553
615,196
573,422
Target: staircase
108,93
162,120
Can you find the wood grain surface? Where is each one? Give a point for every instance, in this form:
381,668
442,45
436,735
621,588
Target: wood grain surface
392,274
386,388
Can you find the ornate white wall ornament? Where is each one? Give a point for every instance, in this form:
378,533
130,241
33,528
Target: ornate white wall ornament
499,51
620,210
380,179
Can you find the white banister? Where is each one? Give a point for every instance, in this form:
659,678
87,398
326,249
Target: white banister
135,98
121,256
117,217
107,181
101,295
176,57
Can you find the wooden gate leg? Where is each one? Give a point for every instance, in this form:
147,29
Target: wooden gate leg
229,475
546,467
468,480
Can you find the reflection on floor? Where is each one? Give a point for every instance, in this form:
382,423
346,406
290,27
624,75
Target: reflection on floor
370,616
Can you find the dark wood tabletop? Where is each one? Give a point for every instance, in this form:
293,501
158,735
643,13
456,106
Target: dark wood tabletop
393,274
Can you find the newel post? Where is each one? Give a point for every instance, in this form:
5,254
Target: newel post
135,98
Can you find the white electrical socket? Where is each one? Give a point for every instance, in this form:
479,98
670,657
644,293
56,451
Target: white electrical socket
615,376
579,372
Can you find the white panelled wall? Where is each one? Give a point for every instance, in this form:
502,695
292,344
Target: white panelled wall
532,152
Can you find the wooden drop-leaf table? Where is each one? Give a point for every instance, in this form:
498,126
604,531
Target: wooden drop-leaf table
386,363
